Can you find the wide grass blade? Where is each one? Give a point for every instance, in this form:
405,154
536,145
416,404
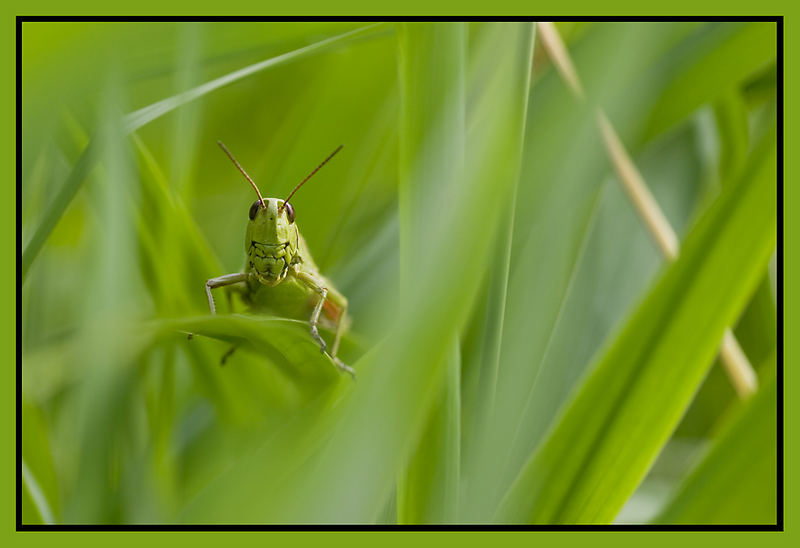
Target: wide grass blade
626,410
569,239
433,76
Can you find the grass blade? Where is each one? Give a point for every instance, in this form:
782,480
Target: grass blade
621,417
57,207
714,59
735,483
36,494
428,490
145,115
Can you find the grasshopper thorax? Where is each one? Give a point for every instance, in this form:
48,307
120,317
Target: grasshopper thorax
271,241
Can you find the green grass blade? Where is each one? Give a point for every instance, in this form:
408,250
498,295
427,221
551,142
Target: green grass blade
283,342
102,401
428,490
484,340
569,240
708,63
39,472
730,113
145,115
59,205
633,399
735,483
756,329
34,491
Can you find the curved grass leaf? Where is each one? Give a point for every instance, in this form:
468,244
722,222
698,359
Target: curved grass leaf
626,410
283,342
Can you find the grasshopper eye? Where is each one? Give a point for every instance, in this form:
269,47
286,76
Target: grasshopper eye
254,209
289,212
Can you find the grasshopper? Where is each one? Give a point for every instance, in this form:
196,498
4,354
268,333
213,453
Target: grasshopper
280,276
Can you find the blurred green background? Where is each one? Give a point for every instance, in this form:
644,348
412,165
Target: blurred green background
524,354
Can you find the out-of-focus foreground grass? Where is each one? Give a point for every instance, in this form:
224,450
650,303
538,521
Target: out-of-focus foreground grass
524,354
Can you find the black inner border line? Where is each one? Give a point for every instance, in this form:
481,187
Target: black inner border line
779,526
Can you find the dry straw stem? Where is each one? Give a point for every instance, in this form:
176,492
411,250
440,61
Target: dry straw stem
736,364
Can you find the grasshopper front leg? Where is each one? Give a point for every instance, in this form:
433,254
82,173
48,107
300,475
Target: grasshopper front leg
317,285
227,279
213,283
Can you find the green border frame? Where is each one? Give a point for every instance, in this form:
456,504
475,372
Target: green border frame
8,237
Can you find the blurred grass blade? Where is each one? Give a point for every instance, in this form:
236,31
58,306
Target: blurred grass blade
58,205
734,359
433,71
730,113
428,491
716,58
37,496
558,287
557,253
735,483
756,329
432,61
39,473
166,229
187,121
145,115
626,410
489,330
102,401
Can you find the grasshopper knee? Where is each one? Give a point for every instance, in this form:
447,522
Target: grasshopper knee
209,286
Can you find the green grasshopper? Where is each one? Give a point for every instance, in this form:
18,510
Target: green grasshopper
280,276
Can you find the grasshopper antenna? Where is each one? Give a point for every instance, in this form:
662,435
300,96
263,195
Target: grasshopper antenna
325,161
258,193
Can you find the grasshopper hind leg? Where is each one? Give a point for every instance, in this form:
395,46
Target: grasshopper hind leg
317,286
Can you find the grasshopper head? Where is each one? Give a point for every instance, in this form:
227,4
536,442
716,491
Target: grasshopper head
271,240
